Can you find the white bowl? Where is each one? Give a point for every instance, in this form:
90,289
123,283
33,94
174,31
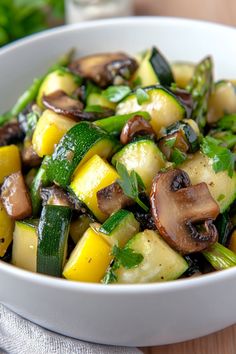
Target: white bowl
134,315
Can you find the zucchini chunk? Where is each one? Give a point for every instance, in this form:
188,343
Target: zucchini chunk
222,101
154,69
142,156
221,186
77,146
53,231
94,175
60,79
90,258
119,227
162,105
6,230
160,262
183,73
9,161
25,242
49,130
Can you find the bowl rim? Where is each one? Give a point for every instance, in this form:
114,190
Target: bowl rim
59,283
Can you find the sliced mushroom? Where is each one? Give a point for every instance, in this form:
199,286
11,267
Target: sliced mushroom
55,196
61,103
29,156
15,197
183,213
186,99
104,68
112,198
135,126
10,133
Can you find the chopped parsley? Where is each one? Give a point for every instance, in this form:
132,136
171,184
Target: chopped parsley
223,159
141,96
116,93
131,184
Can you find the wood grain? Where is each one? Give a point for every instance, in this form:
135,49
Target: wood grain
223,342
222,11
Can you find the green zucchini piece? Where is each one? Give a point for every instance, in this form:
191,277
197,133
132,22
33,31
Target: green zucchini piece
160,262
163,106
76,147
53,231
221,186
25,241
142,156
154,69
120,227
114,124
222,101
220,257
182,72
60,79
40,180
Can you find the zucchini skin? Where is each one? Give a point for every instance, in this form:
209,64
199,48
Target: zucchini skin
161,67
71,150
40,180
53,231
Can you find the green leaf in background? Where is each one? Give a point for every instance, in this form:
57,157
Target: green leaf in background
19,18
116,93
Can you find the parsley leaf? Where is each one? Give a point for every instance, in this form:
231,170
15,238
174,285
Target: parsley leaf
141,96
131,184
116,93
228,122
127,257
223,158
170,142
178,156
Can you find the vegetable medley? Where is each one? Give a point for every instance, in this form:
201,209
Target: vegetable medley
120,169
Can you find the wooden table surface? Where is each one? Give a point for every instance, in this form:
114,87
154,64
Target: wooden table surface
222,11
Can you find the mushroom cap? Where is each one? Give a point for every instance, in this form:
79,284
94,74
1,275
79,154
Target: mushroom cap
183,213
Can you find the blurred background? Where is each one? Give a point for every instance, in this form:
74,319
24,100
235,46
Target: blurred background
19,18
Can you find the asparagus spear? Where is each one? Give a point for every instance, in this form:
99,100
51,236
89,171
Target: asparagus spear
30,94
200,87
220,257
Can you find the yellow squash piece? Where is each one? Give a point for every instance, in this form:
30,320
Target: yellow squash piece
6,230
24,250
9,161
49,130
89,260
94,175
57,80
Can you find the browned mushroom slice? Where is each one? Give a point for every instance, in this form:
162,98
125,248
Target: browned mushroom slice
183,213
10,133
104,68
55,196
29,156
15,197
112,198
61,103
135,126
185,98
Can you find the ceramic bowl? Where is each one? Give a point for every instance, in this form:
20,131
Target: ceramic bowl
134,315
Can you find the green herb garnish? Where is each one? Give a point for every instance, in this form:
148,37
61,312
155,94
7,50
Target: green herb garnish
141,96
170,142
223,158
228,122
221,197
116,93
178,156
131,184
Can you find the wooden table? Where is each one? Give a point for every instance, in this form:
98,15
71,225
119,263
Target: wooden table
222,11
